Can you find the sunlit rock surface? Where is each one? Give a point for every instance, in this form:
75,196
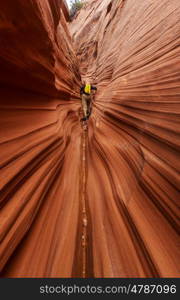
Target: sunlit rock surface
129,49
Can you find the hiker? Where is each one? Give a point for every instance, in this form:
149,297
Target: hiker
86,92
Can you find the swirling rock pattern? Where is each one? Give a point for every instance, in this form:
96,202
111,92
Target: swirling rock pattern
40,139
130,50
122,171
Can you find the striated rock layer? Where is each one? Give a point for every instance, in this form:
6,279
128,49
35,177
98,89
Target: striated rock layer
40,139
102,202
130,50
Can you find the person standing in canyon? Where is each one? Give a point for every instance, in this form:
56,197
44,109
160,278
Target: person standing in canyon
87,91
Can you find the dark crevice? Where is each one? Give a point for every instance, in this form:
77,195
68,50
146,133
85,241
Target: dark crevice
109,8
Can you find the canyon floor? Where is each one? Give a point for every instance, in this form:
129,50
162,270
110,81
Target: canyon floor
100,201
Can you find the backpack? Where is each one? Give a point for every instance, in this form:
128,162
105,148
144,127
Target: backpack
87,89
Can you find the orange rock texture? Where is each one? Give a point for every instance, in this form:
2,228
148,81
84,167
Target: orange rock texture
101,202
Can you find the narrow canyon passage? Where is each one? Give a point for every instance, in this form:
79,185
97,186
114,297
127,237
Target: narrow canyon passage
100,201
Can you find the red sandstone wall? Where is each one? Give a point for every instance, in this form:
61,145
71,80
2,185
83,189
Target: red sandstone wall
130,50
39,140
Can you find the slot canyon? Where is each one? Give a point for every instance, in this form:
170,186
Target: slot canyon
100,201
